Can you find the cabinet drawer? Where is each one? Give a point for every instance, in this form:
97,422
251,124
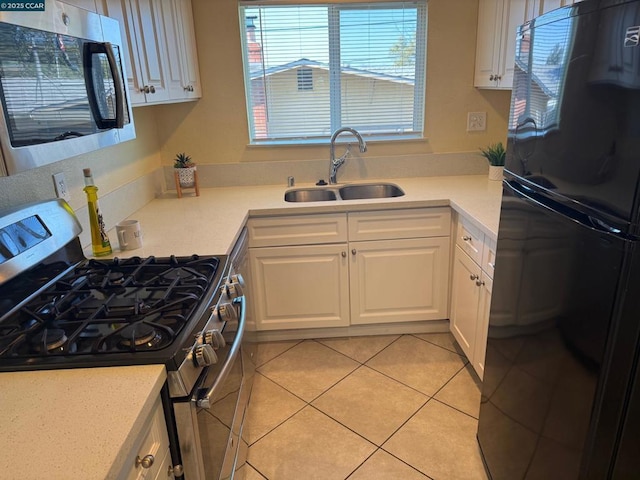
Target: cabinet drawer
470,239
397,224
155,442
489,256
297,230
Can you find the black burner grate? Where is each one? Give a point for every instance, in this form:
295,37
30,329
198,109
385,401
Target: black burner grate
102,307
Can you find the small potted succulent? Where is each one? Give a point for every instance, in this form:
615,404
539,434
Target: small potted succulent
185,168
495,154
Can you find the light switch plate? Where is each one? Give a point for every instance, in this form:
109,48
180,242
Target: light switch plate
60,185
476,121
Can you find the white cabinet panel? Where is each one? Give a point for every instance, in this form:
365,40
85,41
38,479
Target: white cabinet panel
300,287
498,21
465,300
305,273
297,230
160,57
399,280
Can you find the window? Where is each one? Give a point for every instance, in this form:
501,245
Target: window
311,69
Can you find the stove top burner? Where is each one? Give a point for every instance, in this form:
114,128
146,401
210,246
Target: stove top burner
48,340
139,335
110,307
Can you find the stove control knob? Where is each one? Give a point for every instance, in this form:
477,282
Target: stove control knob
237,278
214,338
227,312
205,355
233,290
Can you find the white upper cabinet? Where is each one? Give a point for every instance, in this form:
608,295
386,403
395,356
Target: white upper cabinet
498,22
183,73
161,59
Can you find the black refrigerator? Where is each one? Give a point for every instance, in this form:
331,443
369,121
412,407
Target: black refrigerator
561,388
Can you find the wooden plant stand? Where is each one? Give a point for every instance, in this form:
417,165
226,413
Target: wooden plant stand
195,184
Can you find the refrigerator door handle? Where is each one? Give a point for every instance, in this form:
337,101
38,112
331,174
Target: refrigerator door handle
584,220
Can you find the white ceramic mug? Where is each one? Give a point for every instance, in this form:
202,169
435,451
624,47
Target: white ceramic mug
129,234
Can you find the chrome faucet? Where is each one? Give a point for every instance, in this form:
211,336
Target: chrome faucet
336,163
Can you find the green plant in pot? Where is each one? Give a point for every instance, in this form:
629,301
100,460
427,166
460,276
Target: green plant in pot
185,168
495,154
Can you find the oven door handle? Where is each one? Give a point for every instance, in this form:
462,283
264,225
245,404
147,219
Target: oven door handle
205,400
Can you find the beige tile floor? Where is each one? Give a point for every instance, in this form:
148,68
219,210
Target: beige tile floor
364,408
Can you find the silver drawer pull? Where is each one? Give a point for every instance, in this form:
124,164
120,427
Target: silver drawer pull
492,265
145,462
473,276
466,238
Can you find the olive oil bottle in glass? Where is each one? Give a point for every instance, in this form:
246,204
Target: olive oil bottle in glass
99,240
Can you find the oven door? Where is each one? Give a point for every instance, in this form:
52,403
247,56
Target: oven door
210,423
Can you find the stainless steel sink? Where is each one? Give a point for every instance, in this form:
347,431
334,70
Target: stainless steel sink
309,195
370,190
346,192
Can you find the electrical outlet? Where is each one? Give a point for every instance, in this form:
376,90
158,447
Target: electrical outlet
60,185
476,121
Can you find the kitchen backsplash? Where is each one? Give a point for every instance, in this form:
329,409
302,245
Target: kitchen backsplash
356,168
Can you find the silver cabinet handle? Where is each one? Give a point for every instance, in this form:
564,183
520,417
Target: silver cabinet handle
145,462
353,252
479,283
492,265
145,89
344,254
152,89
473,276
466,238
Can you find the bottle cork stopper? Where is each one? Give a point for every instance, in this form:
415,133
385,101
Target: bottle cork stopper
87,172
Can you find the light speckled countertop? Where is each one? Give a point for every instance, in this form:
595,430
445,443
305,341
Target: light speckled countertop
78,423
81,423
210,223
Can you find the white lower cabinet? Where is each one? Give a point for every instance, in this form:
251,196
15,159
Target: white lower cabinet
471,292
150,458
300,286
336,270
399,280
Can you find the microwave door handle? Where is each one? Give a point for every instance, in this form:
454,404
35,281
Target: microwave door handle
90,49
204,401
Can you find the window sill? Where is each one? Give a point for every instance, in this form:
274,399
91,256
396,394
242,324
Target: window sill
346,138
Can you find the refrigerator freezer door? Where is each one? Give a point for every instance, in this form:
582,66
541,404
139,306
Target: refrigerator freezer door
572,127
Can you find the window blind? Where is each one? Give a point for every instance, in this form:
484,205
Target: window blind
311,69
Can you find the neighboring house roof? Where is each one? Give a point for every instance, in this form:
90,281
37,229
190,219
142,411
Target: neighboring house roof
304,62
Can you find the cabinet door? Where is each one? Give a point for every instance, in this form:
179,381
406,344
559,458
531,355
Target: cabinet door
183,78
120,10
514,14
300,286
482,328
399,280
154,445
152,53
498,21
465,298
488,42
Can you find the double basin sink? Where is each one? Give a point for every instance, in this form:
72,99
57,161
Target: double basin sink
345,192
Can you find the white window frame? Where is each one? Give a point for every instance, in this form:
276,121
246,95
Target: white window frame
334,7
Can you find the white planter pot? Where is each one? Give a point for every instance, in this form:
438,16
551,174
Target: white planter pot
186,176
495,173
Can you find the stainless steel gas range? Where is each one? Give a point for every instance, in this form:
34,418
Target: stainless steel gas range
61,310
